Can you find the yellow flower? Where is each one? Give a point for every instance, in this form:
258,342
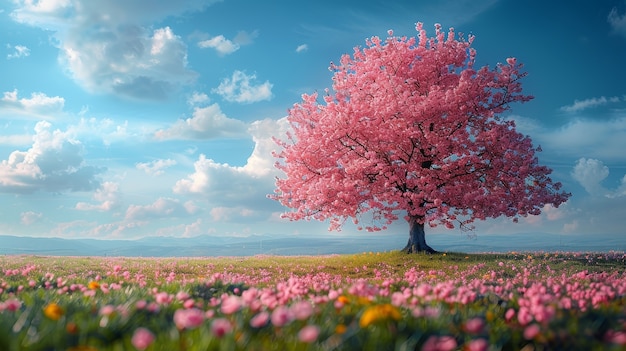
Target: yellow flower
343,299
71,328
53,311
490,316
340,329
94,285
362,300
379,313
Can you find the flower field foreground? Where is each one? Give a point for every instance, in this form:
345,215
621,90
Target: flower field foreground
383,301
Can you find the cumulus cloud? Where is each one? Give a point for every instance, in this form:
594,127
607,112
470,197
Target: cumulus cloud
18,52
261,162
225,46
580,105
222,45
206,123
617,22
302,48
162,207
155,167
229,186
107,197
37,105
129,61
240,88
109,48
197,99
54,163
590,173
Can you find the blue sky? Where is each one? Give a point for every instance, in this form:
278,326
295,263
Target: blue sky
127,119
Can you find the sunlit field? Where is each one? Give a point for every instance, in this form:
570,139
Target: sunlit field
368,301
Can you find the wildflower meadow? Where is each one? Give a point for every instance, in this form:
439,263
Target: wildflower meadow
368,301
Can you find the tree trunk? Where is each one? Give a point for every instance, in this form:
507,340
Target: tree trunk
417,238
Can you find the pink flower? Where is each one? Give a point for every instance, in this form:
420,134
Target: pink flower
281,316
259,320
12,305
221,327
398,299
439,343
182,296
510,313
231,304
616,337
188,318
189,303
163,298
309,333
107,310
475,325
531,331
142,338
302,310
478,345
523,316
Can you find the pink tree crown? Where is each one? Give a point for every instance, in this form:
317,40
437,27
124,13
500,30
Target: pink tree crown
411,126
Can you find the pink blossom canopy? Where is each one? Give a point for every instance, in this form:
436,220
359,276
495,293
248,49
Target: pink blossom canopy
412,127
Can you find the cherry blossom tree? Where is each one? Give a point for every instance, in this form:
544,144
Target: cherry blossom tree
413,129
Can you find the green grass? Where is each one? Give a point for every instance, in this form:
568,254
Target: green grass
351,265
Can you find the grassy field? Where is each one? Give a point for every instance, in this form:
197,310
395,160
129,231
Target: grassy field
376,301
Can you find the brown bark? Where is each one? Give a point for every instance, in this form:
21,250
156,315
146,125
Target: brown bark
417,237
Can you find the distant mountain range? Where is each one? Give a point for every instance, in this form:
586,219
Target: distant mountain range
301,245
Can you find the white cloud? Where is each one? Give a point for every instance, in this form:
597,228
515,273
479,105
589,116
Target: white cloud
108,48
240,88
206,123
182,230
580,105
30,217
18,52
223,185
39,104
155,167
227,214
225,46
54,163
198,99
593,138
590,173
104,130
114,12
162,207
128,61
617,22
302,48
261,162
18,139
222,45
228,186
107,196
